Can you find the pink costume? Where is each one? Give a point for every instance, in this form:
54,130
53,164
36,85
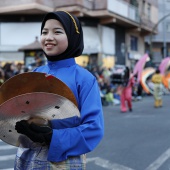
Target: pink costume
126,96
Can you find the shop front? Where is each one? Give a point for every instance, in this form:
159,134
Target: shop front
33,54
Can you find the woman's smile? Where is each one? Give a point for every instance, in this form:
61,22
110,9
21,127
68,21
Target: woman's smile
49,46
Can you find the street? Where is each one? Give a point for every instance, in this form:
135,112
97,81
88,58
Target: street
138,140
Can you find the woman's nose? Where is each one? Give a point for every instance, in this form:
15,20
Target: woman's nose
50,36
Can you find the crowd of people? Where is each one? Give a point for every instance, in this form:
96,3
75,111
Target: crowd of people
10,69
110,93
123,95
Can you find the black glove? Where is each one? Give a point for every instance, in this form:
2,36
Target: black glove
40,134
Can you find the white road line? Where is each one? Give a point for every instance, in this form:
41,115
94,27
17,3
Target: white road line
8,169
1,141
6,147
159,161
7,157
106,164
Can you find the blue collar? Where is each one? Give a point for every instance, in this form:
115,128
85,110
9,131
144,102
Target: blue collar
61,63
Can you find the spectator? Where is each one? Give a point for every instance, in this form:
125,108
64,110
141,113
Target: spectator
19,69
9,70
110,97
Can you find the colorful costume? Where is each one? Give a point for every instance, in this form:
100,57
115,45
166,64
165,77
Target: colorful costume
157,80
126,96
68,145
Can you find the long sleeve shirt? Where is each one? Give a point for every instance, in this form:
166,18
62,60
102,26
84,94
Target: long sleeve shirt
89,128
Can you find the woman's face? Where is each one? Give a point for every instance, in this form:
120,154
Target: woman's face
53,38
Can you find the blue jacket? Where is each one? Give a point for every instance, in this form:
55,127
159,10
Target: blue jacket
89,129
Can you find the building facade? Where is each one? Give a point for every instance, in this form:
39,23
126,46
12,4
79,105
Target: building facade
159,44
114,30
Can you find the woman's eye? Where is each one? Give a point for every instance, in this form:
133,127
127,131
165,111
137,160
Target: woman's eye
58,32
44,32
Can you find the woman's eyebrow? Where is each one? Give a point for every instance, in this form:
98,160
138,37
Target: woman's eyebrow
56,28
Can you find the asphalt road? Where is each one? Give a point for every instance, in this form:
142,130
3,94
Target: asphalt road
138,140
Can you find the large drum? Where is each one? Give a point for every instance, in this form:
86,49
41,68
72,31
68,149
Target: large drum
120,75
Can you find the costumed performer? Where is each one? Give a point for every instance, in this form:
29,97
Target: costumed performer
126,95
62,41
157,79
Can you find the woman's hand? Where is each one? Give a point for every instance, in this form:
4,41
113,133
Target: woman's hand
40,134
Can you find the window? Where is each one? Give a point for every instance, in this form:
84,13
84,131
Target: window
143,7
134,3
149,11
133,43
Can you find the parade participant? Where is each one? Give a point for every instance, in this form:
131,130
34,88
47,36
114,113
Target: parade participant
126,95
62,41
157,80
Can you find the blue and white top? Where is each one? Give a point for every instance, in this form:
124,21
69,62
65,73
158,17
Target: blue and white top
89,128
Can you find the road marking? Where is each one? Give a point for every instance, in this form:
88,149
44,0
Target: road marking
159,161
5,147
7,157
106,164
101,162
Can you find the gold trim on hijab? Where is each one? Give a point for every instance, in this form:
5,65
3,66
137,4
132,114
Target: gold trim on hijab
75,24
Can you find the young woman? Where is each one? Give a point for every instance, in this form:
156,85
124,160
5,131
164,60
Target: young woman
62,41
